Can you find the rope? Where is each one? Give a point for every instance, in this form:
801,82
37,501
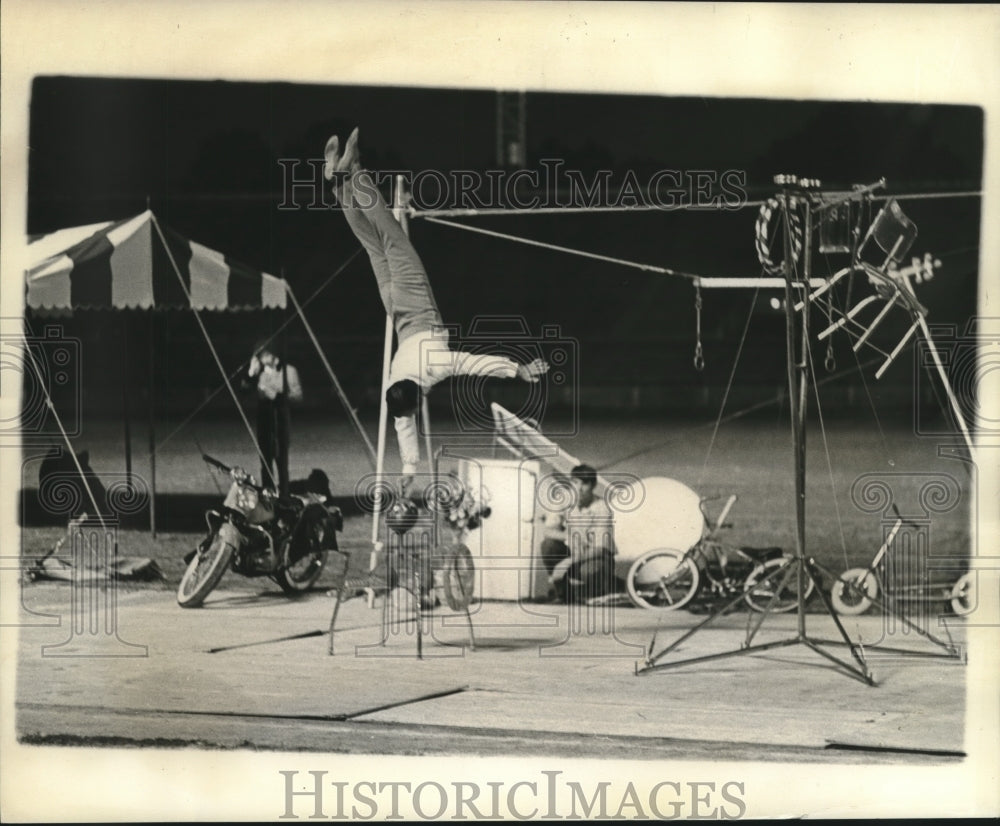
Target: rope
471,212
826,453
351,412
871,402
211,346
557,248
239,368
777,399
729,386
62,430
699,355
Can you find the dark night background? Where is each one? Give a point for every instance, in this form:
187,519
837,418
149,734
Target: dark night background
206,156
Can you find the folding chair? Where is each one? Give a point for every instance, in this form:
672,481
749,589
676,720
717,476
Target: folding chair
892,234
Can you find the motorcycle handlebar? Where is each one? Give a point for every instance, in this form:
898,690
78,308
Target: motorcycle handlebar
216,463
227,469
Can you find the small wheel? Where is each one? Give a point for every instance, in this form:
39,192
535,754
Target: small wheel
768,580
853,592
206,569
456,575
662,578
963,594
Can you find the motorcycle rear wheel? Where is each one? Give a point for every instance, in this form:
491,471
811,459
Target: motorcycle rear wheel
662,579
204,571
303,573
764,582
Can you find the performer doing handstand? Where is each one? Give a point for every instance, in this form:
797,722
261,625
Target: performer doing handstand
422,357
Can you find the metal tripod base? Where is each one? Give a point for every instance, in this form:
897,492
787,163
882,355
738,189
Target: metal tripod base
858,669
859,672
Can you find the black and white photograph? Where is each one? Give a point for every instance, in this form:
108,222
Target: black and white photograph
498,411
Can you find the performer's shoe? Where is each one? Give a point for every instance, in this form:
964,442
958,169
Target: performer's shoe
350,160
332,155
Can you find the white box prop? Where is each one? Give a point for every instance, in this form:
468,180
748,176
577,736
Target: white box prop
505,547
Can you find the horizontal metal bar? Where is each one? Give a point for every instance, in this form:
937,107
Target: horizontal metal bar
749,283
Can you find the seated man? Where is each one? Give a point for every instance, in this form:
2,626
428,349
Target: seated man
578,551
422,357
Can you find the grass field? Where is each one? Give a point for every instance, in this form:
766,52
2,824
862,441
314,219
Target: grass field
752,459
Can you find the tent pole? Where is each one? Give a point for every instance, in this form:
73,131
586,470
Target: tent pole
152,430
125,412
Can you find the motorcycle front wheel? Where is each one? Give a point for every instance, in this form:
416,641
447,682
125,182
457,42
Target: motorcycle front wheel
662,578
764,582
205,570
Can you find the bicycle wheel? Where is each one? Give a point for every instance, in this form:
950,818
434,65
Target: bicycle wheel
455,578
963,594
765,587
853,592
662,578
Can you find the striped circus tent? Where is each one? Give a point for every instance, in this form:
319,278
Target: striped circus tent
134,264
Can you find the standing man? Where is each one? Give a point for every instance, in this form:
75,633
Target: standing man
277,386
578,549
422,357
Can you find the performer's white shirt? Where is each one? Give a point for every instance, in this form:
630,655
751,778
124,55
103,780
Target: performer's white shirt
271,382
426,359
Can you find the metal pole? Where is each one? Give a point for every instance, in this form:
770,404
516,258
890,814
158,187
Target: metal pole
795,395
126,423
943,375
152,429
383,412
803,406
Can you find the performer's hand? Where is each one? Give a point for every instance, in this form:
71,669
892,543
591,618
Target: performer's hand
405,482
560,570
255,366
532,371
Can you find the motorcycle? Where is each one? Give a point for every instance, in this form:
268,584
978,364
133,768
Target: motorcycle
257,533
